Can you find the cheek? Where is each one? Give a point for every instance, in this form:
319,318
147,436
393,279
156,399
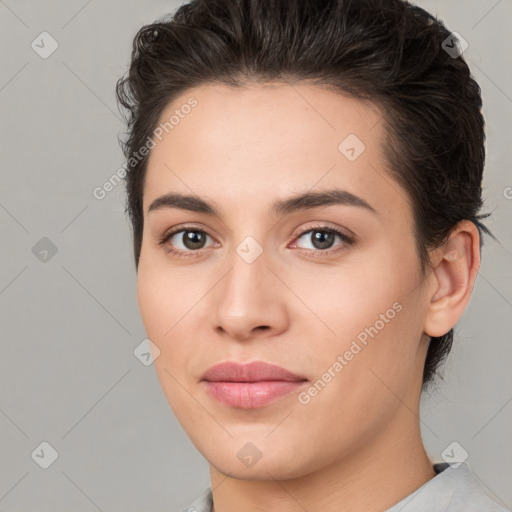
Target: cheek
366,371
169,302
160,294
347,301
152,301
160,307
163,311
371,317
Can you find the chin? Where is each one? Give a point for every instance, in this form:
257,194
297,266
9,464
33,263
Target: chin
261,471
245,460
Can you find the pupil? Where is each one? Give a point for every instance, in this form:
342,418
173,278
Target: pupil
193,238
322,239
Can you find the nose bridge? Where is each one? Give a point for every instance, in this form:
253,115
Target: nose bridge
247,299
249,272
249,245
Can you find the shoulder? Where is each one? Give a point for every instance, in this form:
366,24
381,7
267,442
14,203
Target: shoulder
453,489
202,504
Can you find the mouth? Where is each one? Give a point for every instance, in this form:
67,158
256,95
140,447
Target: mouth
249,386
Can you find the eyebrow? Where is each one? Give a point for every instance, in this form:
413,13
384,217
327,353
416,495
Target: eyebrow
304,201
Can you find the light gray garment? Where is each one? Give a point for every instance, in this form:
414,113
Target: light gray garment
453,489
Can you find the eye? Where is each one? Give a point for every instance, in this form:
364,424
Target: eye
188,241
322,239
184,242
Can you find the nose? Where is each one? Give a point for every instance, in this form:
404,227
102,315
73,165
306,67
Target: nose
250,300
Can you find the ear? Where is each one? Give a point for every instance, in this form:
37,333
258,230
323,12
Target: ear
454,269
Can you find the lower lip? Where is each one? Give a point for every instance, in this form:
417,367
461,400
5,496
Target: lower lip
249,395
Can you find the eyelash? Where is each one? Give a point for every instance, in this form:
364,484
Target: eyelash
319,252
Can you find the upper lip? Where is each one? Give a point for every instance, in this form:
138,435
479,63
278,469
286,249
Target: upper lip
256,371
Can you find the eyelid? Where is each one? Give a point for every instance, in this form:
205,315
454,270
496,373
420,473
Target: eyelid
182,227
325,226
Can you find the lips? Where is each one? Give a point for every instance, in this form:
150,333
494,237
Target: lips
256,371
251,385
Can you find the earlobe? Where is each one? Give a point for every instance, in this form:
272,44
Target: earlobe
452,278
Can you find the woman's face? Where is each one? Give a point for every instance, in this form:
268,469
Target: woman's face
252,282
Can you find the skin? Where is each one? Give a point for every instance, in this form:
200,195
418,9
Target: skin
358,441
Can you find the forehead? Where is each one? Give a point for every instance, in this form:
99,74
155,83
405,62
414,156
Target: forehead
260,141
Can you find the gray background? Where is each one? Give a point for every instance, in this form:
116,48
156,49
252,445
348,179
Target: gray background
70,324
